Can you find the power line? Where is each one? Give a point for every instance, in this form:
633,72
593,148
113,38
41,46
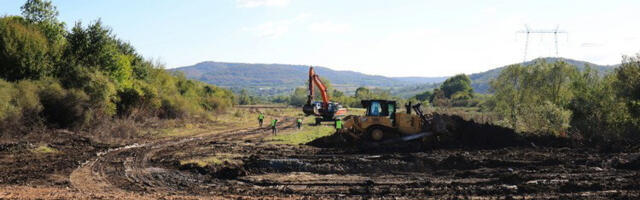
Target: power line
528,31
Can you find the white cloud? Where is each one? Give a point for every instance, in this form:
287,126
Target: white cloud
259,3
275,29
329,27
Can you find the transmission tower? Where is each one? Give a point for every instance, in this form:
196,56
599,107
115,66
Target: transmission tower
542,32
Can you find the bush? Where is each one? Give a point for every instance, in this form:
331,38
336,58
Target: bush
64,108
175,107
7,108
546,118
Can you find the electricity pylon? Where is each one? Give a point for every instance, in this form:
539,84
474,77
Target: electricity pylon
528,31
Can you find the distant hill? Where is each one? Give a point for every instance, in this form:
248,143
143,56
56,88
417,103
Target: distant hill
276,79
271,79
480,81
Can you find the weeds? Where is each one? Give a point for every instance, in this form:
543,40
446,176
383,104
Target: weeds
44,149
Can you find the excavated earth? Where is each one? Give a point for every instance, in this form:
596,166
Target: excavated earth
248,167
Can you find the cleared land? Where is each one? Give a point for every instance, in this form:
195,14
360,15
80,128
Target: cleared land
248,163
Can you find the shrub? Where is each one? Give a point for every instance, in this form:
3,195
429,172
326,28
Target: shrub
64,108
6,96
175,107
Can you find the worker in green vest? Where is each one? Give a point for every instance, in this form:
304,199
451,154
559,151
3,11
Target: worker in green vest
274,128
299,122
260,119
338,124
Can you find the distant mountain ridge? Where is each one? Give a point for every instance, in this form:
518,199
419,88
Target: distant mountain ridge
283,77
274,79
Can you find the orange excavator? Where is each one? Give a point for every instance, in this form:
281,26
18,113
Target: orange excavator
324,110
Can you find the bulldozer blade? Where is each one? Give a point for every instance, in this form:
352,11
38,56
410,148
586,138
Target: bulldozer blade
407,138
416,136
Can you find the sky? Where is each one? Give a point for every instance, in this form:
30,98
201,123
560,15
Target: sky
381,37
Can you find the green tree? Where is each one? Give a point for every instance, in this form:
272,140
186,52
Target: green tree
509,93
24,50
96,48
299,97
598,113
459,84
533,98
439,99
39,11
244,98
628,84
44,14
424,96
362,93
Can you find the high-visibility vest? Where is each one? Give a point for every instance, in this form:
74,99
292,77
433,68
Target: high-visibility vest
299,120
273,122
260,116
339,124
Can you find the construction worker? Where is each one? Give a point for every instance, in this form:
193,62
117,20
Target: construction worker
274,128
338,124
260,119
299,122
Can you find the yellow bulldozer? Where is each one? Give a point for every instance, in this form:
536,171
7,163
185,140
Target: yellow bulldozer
382,122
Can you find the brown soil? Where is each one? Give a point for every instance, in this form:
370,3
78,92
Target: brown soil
153,170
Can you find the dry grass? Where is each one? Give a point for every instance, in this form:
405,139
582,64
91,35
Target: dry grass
236,118
44,149
217,159
307,134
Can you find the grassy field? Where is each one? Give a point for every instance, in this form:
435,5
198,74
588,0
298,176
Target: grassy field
310,132
235,118
306,134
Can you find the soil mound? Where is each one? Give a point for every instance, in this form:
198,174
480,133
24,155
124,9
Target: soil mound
455,132
332,141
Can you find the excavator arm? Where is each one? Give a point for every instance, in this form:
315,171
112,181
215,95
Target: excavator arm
314,79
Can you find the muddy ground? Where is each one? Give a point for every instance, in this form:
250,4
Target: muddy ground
248,167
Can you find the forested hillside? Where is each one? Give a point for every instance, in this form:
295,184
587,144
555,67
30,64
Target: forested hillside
278,79
271,79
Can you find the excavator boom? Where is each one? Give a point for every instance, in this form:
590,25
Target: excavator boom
314,79
325,109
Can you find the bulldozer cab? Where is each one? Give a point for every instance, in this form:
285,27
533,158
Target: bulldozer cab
379,108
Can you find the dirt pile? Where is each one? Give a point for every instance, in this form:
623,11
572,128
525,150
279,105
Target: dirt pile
333,141
632,163
454,132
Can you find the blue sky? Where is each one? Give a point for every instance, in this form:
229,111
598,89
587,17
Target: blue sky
392,38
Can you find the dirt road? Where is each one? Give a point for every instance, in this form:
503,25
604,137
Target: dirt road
243,165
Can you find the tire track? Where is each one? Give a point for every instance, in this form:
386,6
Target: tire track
132,169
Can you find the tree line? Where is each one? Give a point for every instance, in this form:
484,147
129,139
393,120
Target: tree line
558,98
75,78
